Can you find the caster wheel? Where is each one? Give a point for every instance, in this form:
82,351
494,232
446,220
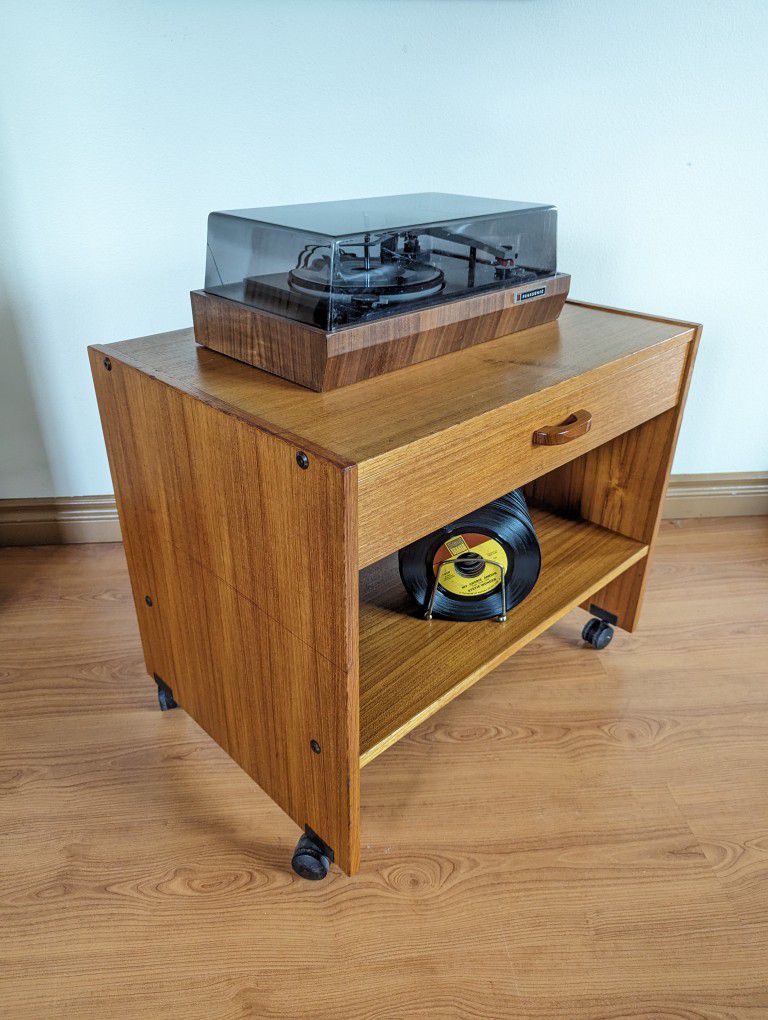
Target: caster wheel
165,699
309,861
164,695
597,633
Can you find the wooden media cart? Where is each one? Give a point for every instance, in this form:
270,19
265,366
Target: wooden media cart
262,522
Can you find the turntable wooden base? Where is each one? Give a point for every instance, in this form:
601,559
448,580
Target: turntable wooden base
320,360
261,525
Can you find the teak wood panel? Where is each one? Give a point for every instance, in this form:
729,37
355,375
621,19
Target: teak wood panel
248,562
379,416
324,360
621,485
411,667
408,493
464,321
273,343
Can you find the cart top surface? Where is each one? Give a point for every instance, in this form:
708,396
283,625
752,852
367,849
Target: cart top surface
357,423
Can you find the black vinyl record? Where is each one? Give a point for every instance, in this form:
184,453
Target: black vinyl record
470,587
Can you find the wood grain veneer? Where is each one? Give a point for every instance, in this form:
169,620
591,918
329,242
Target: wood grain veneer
324,360
251,563
621,485
410,668
359,423
411,491
248,563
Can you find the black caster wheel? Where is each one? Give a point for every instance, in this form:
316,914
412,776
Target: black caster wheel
310,858
597,633
164,695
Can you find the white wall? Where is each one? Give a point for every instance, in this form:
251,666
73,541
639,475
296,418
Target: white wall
122,124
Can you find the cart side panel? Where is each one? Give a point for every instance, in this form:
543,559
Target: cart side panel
621,485
250,564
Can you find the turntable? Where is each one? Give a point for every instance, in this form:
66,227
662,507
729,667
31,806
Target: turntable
327,294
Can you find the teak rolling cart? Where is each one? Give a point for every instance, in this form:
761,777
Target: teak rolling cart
262,521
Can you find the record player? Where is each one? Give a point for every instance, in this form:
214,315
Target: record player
327,294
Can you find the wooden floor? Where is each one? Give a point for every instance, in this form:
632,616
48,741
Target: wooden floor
582,834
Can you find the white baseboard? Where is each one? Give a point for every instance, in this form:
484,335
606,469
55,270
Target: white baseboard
71,519
728,494
59,520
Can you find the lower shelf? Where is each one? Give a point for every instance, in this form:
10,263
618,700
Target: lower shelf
411,667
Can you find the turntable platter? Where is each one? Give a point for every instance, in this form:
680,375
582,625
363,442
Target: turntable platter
371,282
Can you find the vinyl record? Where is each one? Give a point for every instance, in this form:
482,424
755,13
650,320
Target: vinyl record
369,280
470,589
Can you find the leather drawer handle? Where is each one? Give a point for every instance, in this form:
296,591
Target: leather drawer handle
575,425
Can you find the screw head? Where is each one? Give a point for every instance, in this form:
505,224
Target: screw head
315,746
148,600
108,364
302,460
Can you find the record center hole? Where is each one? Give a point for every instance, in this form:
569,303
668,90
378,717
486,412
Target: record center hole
470,564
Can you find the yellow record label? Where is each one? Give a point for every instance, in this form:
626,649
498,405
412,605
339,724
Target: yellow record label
454,577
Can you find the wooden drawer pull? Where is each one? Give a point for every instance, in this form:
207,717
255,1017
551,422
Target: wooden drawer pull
575,425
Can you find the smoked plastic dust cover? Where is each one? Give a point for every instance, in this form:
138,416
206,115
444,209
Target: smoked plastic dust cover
337,264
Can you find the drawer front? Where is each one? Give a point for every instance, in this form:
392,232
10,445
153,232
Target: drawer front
409,492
